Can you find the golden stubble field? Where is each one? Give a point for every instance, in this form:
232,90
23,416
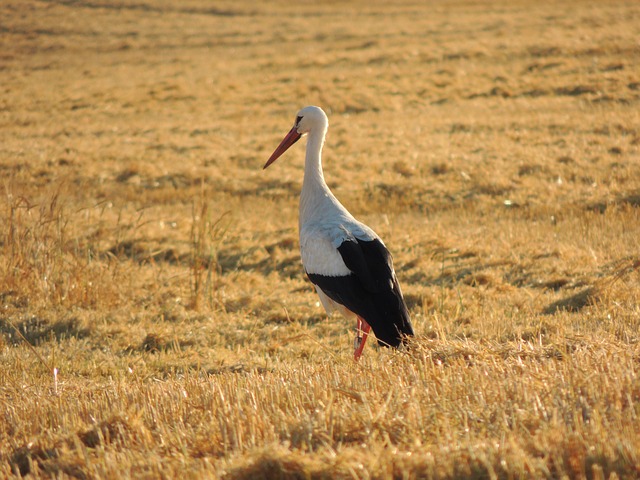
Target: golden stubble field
155,319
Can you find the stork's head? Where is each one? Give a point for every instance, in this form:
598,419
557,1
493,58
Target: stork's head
307,120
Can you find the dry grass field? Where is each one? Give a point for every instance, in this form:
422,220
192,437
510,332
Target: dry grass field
155,320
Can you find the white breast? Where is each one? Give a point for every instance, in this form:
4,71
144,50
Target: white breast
319,255
324,225
319,244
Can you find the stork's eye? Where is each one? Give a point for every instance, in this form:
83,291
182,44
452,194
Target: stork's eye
298,118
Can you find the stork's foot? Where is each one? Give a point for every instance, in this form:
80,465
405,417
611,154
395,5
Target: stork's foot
362,332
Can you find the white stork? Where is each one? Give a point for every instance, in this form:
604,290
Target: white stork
347,262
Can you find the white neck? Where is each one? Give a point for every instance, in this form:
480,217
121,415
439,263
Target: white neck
314,188
313,175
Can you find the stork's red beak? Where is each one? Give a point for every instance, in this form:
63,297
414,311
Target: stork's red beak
292,137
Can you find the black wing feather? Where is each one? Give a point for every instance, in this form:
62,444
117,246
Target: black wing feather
370,291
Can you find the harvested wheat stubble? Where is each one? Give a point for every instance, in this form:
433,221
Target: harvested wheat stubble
155,319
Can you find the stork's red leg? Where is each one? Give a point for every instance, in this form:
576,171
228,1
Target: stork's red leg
362,332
